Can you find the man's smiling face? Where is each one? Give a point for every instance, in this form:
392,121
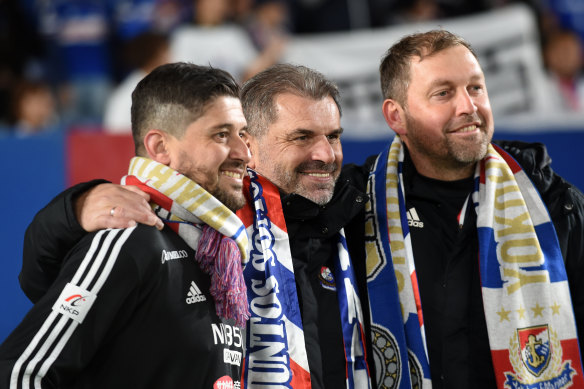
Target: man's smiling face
301,150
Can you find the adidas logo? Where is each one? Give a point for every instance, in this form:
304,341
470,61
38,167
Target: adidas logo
194,295
414,219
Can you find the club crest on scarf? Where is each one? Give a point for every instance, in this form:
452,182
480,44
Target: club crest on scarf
534,363
326,278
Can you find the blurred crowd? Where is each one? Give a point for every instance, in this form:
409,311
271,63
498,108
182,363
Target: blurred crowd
73,63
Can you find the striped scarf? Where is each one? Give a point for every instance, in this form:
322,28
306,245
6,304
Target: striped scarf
275,352
206,225
530,321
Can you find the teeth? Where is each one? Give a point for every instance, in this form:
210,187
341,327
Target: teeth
468,128
232,174
321,175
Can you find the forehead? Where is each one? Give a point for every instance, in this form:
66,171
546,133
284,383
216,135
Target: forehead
451,65
297,112
222,112
223,108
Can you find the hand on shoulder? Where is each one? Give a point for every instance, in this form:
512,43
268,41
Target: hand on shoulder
114,206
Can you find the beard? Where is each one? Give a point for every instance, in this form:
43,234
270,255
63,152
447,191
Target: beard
230,194
291,181
450,151
232,198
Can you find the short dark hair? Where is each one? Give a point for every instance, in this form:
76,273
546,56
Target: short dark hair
258,94
174,95
394,69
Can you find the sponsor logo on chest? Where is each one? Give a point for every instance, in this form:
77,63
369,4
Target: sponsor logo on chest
171,255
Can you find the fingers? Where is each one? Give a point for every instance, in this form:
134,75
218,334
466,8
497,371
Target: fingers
137,190
129,205
133,208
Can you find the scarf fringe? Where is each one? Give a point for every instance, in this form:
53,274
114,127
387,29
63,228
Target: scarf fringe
219,256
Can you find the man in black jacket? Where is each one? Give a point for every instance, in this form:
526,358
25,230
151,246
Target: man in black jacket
472,266
295,142
141,307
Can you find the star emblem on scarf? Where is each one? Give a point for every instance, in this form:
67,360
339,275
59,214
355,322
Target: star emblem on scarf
503,314
537,310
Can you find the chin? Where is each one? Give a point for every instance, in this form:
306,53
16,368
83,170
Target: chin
320,197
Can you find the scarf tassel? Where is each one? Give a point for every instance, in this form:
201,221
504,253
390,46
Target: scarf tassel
220,257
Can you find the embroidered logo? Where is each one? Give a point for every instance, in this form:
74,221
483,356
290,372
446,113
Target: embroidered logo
414,219
194,294
536,356
327,280
74,302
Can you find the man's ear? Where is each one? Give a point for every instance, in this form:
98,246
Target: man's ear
156,143
394,115
251,143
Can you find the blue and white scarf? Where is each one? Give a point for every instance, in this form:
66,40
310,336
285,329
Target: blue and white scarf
530,321
275,352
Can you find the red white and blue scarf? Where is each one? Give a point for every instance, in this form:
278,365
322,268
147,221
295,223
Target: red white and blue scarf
275,353
530,321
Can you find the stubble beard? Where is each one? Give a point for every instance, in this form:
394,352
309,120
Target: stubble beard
449,151
232,198
291,181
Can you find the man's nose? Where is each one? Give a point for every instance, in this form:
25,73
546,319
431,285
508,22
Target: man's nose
239,150
322,150
465,104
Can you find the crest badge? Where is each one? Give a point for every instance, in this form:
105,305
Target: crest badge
534,343
536,356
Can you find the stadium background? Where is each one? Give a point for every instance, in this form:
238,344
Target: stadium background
36,168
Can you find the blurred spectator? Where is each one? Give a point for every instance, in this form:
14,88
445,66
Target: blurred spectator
563,55
569,14
268,22
133,17
77,33
143,53
268,27
32,108
214,39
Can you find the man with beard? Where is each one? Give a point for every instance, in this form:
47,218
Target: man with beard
141,307
305,329
461,247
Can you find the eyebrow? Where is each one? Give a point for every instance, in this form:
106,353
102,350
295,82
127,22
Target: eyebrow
226,125
305,131
444,81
